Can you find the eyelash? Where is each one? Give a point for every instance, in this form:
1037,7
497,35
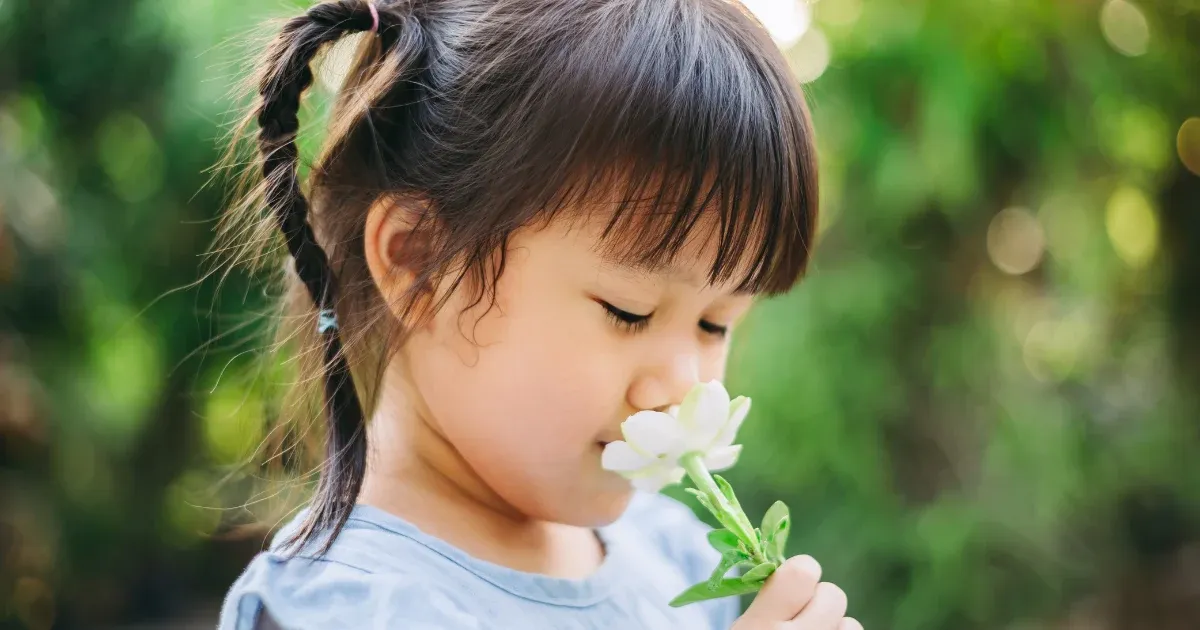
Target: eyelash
632,322
717,331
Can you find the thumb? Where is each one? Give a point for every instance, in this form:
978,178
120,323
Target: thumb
786,592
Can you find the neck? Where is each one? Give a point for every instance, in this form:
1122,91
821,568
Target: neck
414,472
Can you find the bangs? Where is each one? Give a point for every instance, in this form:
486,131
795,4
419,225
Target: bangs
688,120
671,116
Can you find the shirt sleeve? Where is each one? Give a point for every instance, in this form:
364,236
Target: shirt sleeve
301,593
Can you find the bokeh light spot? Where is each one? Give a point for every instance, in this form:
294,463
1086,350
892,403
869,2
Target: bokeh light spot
1138,136
785,20
34,603
1132,226
810,56
1056,348
1188,144
30,116
190,509
1015,241
37,215
1065,219
839,12
79,471
233,421
130,156
1125,27
125,378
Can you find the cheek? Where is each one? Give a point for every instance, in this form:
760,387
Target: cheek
521,379
714,362
524,406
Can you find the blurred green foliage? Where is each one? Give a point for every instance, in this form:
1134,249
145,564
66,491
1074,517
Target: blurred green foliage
981,404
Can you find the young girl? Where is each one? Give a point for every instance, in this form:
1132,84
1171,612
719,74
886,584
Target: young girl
532,219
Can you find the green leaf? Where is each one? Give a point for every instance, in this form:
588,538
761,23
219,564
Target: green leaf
774,516
730,558
706,502
775,526
759,573
738,513
779,541
743,562
728,561
727,490
726,520
769,548
728,587
723,540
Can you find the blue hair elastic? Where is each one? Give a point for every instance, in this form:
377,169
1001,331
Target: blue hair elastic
326,321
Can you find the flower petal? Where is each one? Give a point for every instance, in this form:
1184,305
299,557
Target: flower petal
703,414
737,414
686,409
659,480
653,433
620,457
722,458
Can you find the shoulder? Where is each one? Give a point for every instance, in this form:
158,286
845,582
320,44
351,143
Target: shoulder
302,593
348,587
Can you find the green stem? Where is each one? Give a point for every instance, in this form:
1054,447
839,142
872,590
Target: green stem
693,464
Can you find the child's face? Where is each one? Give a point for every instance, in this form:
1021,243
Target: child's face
529,391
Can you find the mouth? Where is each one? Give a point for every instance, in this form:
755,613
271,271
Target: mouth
602,444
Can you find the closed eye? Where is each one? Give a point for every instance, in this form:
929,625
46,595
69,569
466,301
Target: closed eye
625,320
633,322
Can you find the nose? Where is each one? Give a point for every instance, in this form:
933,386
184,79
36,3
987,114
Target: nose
665,383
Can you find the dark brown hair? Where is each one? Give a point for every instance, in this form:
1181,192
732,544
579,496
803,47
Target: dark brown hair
492,115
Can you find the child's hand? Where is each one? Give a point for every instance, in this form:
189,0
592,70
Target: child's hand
794,599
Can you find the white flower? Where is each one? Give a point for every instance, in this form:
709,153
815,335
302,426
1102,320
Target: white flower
706,423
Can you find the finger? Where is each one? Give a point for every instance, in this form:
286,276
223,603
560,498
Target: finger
850,623
787,591
825,611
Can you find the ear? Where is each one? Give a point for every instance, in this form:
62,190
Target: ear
394,251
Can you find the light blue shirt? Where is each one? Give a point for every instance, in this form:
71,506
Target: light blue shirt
384,573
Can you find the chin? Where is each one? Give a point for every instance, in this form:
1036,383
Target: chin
613,505
600,509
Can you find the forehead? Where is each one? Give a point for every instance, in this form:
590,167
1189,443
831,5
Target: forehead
618,252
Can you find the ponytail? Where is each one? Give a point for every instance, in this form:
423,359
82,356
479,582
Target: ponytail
286,76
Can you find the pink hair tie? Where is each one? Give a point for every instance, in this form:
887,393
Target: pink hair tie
374,16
